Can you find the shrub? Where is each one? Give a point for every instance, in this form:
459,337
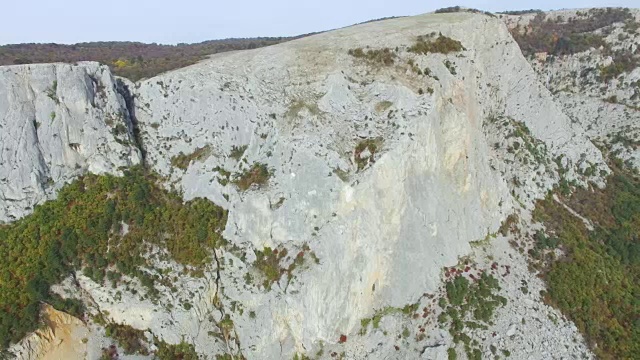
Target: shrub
383,56
237,152
298,105
131,340
258,175
119,130
181,351
270,263
371,145
52,92
450,9
451,354
182,161
612,99
109,353
407,310
509,224
431,44
521,12
450,66
383,105
457,290
454,9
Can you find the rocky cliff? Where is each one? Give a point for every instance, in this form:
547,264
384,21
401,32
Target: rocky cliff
58,121
359,169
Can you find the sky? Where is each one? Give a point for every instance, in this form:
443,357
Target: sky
177,21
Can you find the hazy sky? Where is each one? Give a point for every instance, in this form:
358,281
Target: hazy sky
173,21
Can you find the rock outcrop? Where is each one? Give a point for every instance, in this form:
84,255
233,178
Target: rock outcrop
56,122
61,337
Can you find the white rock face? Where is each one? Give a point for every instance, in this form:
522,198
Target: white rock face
56,122
383,221
383,235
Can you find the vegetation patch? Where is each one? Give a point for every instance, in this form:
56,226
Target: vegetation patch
528,149
366,151
258,175
223,175
451,67
623,137
298,105
434,43
469,305
341,174
237,152
82,230
596,282
509,225
131,340
623,61
52,92
383,106
182,161
301,357
119,130
132,60
384,56
407,310
455,9
521,12
557,37
182,351
275,263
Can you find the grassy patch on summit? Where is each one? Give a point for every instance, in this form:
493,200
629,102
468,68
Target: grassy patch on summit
434,43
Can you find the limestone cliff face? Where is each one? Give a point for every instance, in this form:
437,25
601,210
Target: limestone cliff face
382,220
382,233
56,122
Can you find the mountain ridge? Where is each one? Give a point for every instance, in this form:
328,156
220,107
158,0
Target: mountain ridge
369,162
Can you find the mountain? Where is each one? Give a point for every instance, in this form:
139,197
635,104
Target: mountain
457,184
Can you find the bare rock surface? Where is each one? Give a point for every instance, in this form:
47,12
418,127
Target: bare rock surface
58,121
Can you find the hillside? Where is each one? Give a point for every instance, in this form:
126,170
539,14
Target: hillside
132,60
449,185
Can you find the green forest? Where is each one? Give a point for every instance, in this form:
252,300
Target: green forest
597,283
83,230
132,60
